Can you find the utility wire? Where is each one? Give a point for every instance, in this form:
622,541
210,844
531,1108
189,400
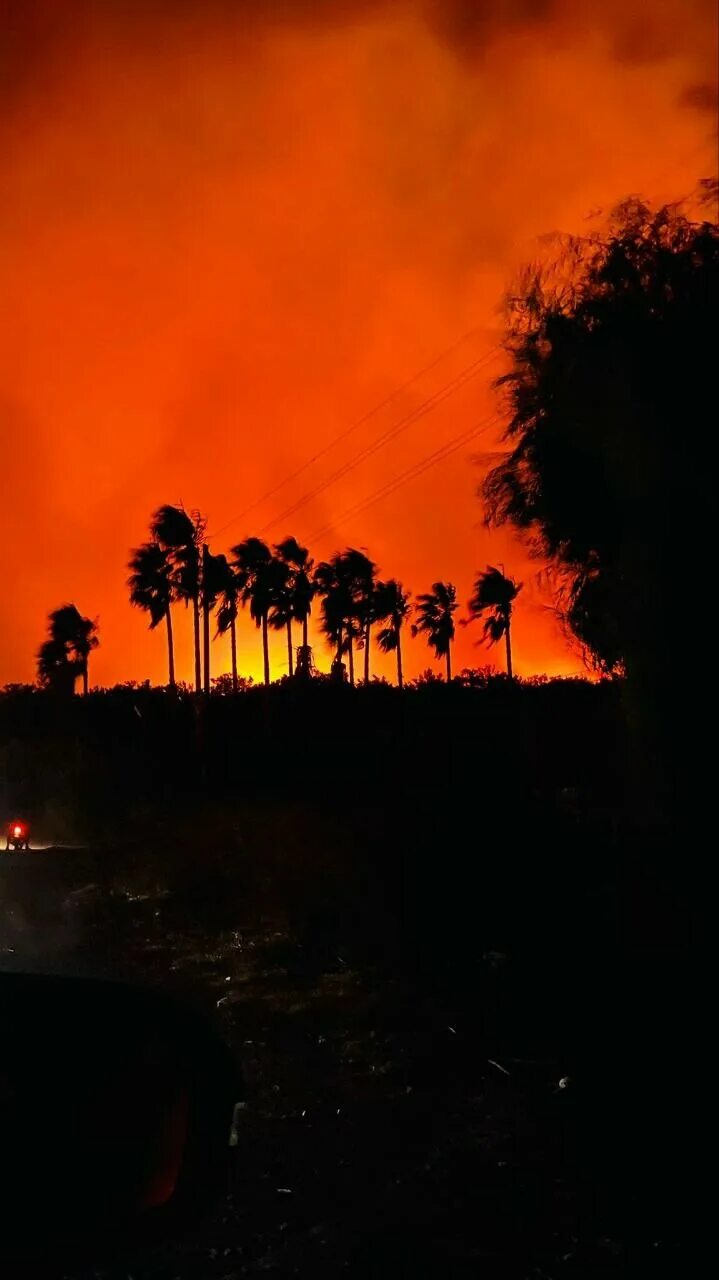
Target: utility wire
411,473
354,426
427,406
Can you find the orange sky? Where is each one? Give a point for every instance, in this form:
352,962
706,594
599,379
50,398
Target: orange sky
229,228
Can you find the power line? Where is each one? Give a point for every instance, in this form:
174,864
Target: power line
354,426
411,473
427,406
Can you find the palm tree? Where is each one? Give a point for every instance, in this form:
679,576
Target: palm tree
360,573
435,618
65,655
150,584
228,596
281,614
494,594
258,576
182,536
301,590
211,587
339,581
55,671
391,605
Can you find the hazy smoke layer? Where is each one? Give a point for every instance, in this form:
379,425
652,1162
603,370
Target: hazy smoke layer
227,229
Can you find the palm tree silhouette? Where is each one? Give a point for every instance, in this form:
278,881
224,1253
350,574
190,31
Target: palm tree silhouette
494,594
360,573
54,668
211,587
228,597
391,605
435,619
65,655
341,582
300,590
257,575
281,613
151,589
182,536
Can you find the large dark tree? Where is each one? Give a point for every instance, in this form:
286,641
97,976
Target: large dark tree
611,391
612,372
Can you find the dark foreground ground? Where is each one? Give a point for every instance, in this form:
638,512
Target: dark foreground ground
460,1088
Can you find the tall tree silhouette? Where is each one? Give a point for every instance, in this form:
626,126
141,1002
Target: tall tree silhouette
493,599
333,608
228,601
281,613
182,536
65,654
300,590
392,606
360,573
611,346
257,575
212,583
151,589
341,584
434,613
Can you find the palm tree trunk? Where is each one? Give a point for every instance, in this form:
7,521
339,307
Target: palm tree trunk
196,630
351,654
206,645
233,651
508,644
170,647
84,678
449,662
289,646
305,640
400,678
266,649
367,630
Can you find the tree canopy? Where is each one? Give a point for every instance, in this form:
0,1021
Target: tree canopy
609,392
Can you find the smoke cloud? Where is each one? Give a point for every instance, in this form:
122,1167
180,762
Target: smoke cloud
228,229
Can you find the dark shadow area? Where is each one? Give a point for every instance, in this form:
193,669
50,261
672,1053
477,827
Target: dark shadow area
440,946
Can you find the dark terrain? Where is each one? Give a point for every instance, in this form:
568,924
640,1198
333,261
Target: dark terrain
447,981
393,1125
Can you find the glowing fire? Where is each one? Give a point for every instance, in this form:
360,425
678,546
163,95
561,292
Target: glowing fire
228,231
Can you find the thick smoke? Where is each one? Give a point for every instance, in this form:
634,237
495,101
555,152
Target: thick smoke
227,229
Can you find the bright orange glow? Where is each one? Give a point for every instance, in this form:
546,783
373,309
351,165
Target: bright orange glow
17,831
224,236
